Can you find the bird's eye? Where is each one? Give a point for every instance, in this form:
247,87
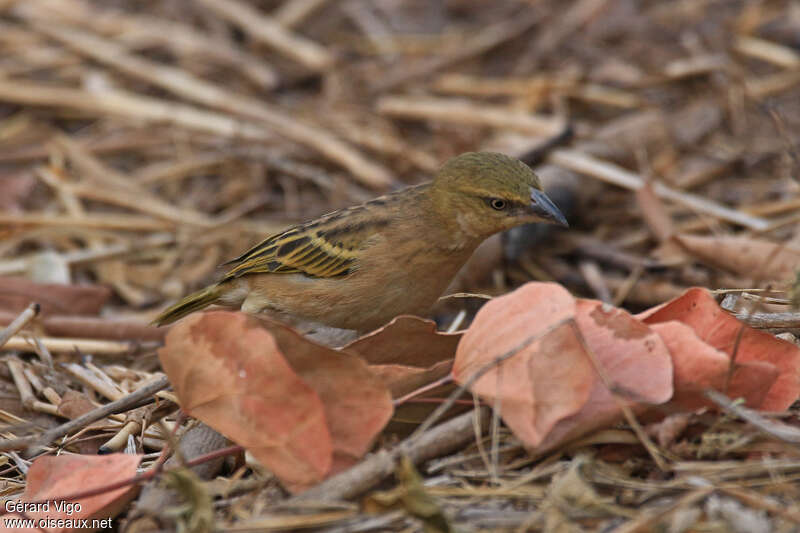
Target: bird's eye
498,204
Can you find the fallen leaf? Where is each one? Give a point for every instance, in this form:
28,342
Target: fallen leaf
406,340
17,293
699,366
408,354
74,404
635,361
228,371
54,477
357,402
544,382
654,213
550,391
15,189
756,258
698,309
303,410
404,379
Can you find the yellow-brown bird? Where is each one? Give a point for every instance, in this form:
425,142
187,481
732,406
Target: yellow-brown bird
357,268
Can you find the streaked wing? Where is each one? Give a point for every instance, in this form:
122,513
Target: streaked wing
325,248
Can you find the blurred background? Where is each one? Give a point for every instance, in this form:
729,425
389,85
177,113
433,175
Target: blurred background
144,143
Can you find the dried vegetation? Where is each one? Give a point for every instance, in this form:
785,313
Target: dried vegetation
144,143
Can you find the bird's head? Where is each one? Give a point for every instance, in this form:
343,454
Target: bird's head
487,192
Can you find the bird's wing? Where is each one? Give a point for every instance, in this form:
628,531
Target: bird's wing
325,248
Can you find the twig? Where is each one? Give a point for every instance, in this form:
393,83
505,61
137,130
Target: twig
485,40
25,391
89,327
775,53
20,322
20,265
133,106
290,14
188,86
611,173
782,432
93,346
443,438
467,112
645,521
264,28
123,404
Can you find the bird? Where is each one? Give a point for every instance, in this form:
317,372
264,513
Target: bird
359,267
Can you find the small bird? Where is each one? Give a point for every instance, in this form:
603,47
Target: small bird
359,267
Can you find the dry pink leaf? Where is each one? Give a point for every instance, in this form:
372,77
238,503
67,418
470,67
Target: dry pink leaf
698,309
755,258
228,371
302,409
357,402
551,390
54,477
543,383
406,340
633,358
699,366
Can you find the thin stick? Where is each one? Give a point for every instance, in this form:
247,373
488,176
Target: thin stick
290,14
440,440
20,265
20,322
782,432
468,112
264,28
485,40
93,346
133,106
117,221
188,86
123,404
611,173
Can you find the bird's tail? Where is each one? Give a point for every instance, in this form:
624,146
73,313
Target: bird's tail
194,302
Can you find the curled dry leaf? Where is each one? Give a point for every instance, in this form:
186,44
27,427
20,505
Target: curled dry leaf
74,404
545,382
754,258
698,309
55,477
228,372
357,403
17,293
633,359
407,340
408,354
292,403
654,213
699,366
551,391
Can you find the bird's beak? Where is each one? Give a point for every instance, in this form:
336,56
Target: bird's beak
543,208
